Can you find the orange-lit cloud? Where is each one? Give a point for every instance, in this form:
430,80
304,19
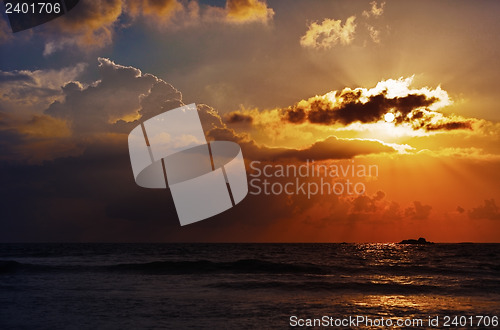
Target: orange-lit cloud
374,34
90,25
329,33
161,11
35,140
242,11
415,108
42,126
329,148
174,14
375,10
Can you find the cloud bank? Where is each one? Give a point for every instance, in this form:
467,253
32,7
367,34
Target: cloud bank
123,96
92,24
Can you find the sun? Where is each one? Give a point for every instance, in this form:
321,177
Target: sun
389,117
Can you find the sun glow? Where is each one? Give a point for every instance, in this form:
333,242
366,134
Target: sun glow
389,117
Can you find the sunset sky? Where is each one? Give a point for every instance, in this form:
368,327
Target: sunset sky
291,82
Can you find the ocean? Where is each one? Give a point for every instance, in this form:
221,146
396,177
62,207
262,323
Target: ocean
247,286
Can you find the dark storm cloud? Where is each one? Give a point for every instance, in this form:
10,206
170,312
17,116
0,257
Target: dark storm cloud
389,210
236,117
450,126
367,204
14,76
415,108
489,210
418,211
335,148
352,108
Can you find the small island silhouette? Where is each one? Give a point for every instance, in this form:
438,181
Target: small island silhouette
421,240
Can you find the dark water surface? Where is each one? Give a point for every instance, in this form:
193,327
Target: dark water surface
254,286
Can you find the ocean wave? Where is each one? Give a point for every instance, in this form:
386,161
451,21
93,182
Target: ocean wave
207,266
171,267
247,266
326,286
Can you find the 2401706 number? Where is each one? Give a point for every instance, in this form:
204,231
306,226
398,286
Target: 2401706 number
470,321
33,8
